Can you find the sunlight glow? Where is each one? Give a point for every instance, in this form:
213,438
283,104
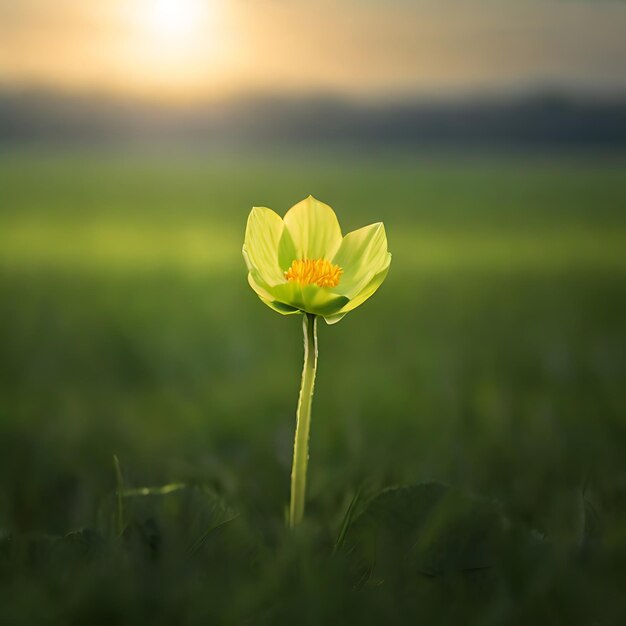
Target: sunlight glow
174,46
176,19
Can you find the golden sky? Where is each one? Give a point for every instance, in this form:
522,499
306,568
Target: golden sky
208,48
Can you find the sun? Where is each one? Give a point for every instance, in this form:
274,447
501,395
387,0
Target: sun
175,20
174,24
174,47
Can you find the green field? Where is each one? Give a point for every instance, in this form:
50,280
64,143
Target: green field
492,362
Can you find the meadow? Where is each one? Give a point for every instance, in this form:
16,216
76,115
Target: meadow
481,390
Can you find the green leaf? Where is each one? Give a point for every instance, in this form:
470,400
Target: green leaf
78,547
172,517
347,519
425,530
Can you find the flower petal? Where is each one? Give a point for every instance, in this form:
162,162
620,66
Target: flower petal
256,282
308,298
333,319
260,249
268,298
362,254
321,301
368,290
286,250
314,229
281,308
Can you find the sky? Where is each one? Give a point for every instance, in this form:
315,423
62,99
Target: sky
198,49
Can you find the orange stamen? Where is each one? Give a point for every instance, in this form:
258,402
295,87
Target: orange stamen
318,272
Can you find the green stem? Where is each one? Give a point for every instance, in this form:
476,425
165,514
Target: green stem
303,423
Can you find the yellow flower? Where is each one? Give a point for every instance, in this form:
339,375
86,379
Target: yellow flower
302,263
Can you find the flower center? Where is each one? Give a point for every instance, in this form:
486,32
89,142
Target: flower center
318,272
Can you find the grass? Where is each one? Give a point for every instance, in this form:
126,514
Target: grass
491,362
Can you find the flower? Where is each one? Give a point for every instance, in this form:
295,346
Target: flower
302,263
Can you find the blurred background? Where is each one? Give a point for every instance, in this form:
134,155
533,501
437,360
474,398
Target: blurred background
490,137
